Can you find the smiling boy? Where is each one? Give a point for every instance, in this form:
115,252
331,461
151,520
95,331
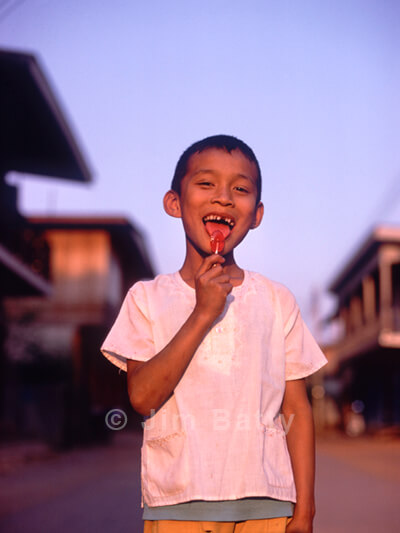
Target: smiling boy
213,355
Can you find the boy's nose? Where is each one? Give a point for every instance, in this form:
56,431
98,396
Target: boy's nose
223,196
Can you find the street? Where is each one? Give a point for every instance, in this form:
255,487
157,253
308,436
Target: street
98,489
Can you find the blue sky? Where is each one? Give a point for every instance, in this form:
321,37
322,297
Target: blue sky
312,86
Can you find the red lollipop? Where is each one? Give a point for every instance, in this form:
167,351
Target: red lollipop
217,241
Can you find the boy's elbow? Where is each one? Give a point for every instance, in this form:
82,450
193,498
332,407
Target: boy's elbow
142,396
141,400
144,404
139,405
141,410
135,393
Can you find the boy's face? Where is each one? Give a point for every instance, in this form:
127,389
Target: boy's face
222,184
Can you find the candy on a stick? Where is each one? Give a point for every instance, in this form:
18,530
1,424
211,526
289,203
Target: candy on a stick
217,241
218,234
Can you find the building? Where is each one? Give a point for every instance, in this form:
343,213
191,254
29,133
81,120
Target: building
35,138
365,360
61,279
63,386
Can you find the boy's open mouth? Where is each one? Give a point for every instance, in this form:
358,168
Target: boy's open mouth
222,223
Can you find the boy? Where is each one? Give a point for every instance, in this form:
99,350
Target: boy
213,354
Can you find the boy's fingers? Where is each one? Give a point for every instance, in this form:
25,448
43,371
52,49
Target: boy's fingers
212,273
227,287
221,279
215,275
208,263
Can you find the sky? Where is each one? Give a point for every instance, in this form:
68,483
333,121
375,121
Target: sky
312,86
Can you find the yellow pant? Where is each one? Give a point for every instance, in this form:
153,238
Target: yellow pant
271,525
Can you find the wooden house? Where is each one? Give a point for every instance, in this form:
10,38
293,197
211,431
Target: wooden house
365,360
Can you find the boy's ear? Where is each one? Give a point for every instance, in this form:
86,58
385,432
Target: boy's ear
258,216
172,204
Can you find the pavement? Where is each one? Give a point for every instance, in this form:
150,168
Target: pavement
98,488
357,485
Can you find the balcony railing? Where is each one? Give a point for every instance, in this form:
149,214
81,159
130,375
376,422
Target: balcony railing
367,336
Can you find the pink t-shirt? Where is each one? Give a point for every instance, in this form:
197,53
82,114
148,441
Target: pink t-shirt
219,436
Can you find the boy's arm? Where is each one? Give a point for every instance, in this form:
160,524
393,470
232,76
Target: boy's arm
152,382
300,440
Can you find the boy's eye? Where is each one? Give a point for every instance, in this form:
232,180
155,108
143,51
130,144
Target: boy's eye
205,183
241,189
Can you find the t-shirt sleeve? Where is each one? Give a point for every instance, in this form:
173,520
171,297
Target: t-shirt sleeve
303,356
131,336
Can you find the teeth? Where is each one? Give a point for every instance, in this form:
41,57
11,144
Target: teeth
217,218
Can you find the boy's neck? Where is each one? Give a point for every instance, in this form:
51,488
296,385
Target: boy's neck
192,264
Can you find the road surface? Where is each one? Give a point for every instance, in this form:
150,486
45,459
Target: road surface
98,489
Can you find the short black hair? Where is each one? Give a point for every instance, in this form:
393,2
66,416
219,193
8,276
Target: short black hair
221,142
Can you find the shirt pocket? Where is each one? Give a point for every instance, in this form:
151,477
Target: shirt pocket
165,466
276,459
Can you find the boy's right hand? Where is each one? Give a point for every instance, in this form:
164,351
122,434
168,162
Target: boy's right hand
212,287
